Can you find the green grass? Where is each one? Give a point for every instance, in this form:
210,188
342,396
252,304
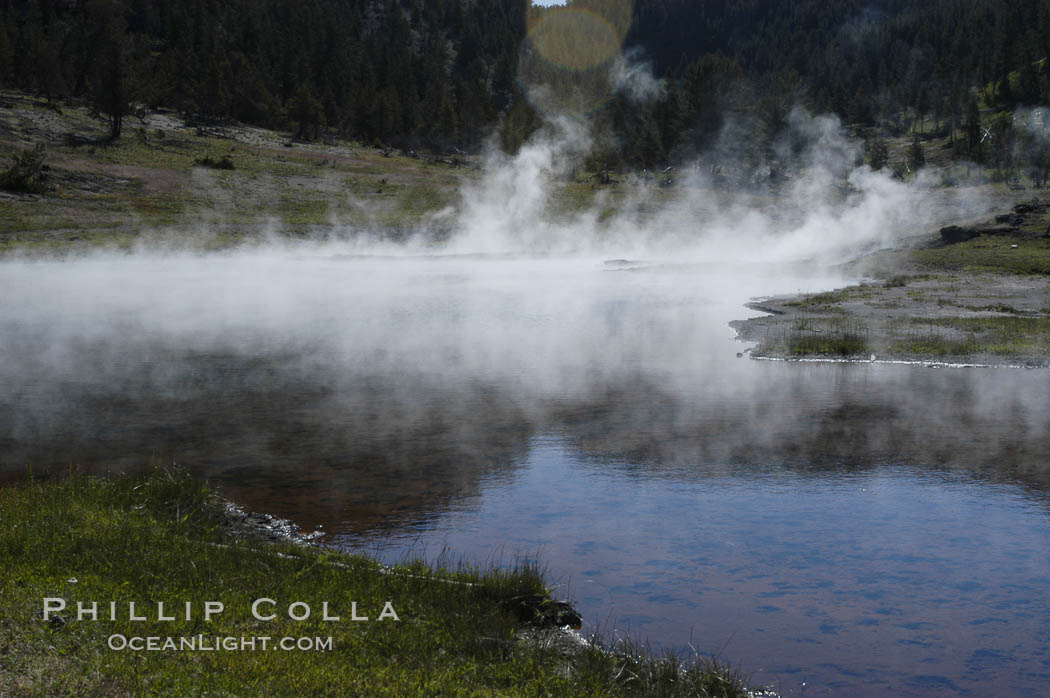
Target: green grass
992,307
1002,336
934,346
167,178
827,345
830,298
897,281
819,299
818,337
160,537
990,253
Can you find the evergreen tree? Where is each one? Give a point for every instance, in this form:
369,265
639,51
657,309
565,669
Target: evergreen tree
50,80
916,155
305,110
111,79
1029,80
973,131
449,71
520,122
922,106
878,153
6,50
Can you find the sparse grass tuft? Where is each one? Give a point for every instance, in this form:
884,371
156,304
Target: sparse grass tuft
897,281
27,175
223,163
931,345
819,299
818,337
832,345
670,675
824,301
999,335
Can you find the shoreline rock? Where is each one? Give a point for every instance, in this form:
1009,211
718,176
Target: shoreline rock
267,527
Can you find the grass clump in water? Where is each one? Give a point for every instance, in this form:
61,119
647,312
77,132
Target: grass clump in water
810,337
162,537
840,345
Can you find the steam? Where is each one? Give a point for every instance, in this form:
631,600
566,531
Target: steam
1034,121
507,211
541,285
379,384
634,78
812,199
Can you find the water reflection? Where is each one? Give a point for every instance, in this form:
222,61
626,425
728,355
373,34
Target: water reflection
816,417
877,581
862,528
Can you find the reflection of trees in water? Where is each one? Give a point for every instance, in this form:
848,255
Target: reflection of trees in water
362,449
369,450
823,419
381,453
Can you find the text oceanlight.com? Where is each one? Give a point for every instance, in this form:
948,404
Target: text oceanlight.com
218,643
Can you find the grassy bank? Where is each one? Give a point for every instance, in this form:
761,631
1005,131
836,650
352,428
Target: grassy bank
163,537
1001,254
980,300
167,181
170,180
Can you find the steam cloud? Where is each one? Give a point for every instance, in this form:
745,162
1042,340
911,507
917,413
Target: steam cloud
830,206
519,299
634,78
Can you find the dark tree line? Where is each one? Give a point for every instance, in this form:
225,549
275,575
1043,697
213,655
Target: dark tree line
433,72
737,67
444,73
861,58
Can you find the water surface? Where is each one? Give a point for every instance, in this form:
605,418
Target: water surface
857,528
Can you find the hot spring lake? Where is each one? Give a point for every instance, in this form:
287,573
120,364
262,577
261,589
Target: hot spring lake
860,529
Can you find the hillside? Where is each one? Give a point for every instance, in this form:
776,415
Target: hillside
445,74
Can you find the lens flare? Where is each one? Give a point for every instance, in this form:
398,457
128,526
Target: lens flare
565,58
575,39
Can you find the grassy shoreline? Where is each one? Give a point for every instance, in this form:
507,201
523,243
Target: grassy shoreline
984,300
163,537
169,184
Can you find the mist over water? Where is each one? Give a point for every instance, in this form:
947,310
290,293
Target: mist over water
566,384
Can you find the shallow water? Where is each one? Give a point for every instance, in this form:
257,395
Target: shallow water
858,528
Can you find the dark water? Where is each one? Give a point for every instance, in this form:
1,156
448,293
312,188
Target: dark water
861,529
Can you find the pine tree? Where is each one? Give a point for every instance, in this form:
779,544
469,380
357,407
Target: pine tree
520,123
111,79
306,110
922,106
878,153
6,50
1029,80
916,155
972,129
